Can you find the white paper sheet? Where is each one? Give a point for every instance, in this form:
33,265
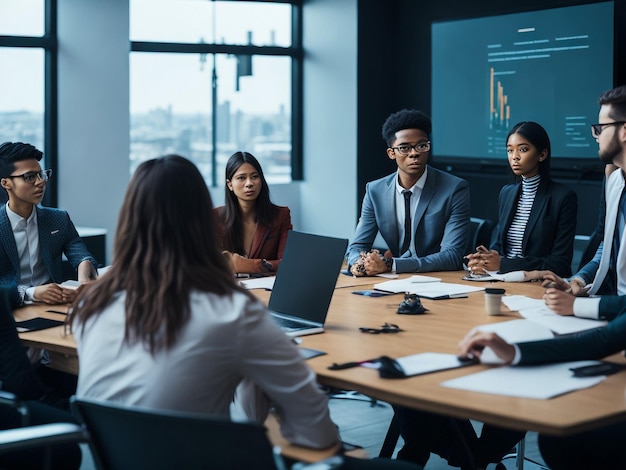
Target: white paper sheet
540,382
428,362
537,311
259,283
103,270
519,302
434,290
70,284
514,331
404,285
426,286
560,324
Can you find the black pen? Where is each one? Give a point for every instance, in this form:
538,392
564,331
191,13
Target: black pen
348,365
449,296
57,311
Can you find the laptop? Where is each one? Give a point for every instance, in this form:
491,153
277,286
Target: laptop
305,282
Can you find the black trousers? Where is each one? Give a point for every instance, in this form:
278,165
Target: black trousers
453,439
601,448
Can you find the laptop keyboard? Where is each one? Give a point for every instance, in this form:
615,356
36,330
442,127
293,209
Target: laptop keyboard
288,323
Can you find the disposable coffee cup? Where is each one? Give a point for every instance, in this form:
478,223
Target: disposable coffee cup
493,300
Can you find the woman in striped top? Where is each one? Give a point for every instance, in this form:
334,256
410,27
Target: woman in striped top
537,216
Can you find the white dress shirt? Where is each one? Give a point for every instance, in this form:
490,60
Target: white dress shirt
589,307
32,269
226,340
416,191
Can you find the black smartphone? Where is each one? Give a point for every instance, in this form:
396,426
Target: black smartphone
606,368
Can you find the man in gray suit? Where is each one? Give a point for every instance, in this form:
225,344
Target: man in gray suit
421,212
33,238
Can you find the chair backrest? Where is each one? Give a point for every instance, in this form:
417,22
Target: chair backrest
480,233
124,437
16,373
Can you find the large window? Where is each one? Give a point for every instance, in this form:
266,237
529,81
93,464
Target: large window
27,81
209,78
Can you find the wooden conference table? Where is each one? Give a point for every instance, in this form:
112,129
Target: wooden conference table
440,330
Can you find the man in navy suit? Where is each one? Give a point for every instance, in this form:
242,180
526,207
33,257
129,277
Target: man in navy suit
599,448
434,234
33,238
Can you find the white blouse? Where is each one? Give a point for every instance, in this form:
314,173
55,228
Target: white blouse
226,340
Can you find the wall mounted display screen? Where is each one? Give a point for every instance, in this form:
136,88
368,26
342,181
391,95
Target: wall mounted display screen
547,66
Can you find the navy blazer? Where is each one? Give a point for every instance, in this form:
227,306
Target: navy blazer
57,236
548,241
442,223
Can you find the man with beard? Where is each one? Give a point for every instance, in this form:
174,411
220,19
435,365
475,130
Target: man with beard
424,432
604,277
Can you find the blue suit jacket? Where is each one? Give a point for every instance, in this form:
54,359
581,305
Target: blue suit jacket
57,235
442,225
548,241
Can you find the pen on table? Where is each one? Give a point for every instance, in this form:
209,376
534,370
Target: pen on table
348,365
451,296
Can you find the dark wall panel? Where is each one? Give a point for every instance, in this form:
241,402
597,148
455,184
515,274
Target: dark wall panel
394,72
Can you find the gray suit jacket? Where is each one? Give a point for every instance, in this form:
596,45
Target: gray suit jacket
442,225
57,235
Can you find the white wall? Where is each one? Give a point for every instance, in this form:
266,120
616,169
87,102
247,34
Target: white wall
94,117
93,111
328,192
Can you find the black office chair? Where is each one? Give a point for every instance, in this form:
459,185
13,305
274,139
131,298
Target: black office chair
123,437
43,446
480,233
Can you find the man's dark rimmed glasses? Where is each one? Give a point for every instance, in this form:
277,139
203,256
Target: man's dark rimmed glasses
386,328
596,129
405,149
31,176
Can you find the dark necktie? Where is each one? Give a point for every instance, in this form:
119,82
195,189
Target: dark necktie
407,221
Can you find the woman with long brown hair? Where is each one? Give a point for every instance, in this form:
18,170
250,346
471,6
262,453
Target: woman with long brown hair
167,326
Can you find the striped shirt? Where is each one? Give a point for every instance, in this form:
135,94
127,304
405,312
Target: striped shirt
515,234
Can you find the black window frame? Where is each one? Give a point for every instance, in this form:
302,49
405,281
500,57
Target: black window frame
49,43
295,51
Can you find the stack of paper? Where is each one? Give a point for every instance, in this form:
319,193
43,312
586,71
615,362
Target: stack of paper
266,283
427,287
537,311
